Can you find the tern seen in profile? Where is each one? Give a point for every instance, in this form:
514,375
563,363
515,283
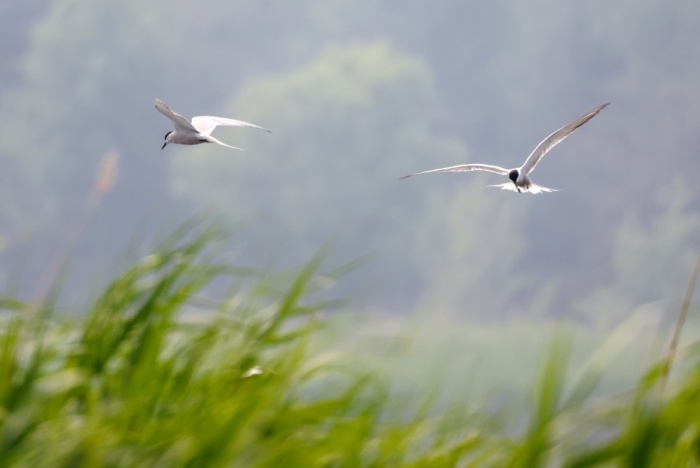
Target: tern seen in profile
520,176
199,131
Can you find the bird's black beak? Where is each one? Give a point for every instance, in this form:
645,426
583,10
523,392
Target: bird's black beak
161,148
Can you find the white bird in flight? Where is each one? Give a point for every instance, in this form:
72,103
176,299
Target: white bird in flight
520,176
199,131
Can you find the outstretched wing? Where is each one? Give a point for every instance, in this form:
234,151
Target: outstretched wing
179,121
205,124
552,140
465,168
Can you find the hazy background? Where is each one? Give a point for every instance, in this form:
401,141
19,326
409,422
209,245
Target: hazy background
358,94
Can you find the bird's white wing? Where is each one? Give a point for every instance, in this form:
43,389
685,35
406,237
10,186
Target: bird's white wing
206,124
465,168
180,122
552,140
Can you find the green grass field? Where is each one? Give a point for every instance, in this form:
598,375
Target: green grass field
186,361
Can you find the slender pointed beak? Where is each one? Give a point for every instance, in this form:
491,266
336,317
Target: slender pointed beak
161,148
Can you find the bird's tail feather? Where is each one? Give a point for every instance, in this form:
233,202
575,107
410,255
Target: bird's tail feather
534,188
211,139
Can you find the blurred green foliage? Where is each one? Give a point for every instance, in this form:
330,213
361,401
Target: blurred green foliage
256,378
186,359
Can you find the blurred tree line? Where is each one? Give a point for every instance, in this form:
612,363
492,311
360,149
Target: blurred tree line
358,94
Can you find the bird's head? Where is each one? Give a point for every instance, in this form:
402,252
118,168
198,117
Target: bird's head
167,140
513,175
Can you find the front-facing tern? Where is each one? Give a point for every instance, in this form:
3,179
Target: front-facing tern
199,131
520,176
